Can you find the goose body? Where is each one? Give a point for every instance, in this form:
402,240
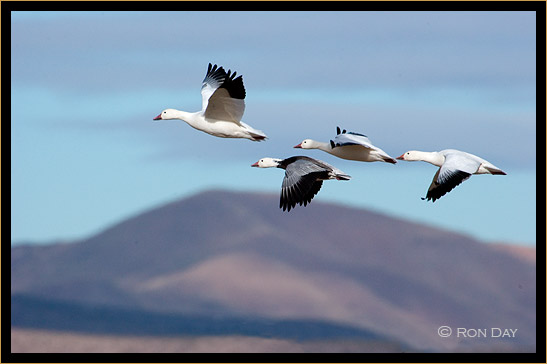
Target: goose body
303,179
352,146
455,167
223,105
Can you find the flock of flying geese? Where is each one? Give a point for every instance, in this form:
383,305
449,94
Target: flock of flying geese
223,104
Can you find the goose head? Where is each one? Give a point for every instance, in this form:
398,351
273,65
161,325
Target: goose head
411,155
307,144
167,114
267,163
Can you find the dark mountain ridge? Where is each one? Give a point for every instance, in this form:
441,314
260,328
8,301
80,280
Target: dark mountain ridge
37,313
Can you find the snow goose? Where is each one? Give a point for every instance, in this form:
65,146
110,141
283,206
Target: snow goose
455,167
304,177
352,146
222,108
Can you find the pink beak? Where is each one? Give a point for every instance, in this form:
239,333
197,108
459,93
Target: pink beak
298,146
401,157
157,117
254,164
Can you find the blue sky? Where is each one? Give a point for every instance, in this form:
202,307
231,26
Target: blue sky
86,85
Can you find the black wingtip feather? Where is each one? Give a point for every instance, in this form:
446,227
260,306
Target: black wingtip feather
215,73
234,85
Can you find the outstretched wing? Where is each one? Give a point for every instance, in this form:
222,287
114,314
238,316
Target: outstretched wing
441,186
454,171
222,95
303,180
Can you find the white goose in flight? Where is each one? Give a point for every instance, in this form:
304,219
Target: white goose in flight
352,146
223,104
304,177
455,167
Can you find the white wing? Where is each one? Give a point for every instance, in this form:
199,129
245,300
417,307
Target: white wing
353,139
223,95
213,79
459,161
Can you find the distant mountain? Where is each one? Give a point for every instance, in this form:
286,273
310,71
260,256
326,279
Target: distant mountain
227,255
